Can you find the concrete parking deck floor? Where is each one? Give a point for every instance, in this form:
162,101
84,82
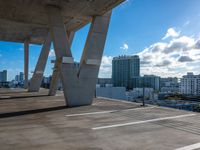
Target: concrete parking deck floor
29,122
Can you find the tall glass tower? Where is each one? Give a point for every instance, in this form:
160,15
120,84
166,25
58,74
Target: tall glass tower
124,68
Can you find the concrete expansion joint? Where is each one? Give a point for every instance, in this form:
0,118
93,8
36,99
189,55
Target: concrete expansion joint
96,62
67,60
39,72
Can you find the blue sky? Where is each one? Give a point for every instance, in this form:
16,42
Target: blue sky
164,33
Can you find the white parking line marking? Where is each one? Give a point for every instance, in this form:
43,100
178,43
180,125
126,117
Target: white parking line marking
90,113
5,97
190,147
104,112
142,122
140,108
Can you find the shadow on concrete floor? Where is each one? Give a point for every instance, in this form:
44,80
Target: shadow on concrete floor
29,112
11,92
9,97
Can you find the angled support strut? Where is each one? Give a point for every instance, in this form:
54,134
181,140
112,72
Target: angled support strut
78,87
36,80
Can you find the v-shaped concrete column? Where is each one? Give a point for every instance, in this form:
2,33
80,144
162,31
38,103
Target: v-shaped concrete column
26,62
56,70
36,80
78,87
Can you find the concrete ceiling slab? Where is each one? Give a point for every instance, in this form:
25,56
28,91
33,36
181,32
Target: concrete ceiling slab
21,19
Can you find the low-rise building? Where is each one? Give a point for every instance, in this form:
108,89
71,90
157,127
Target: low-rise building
151,81
190,84
103,82
169,85
111,92
147,81
138,93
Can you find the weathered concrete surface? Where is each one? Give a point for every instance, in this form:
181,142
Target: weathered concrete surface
50,129
20,93
21,19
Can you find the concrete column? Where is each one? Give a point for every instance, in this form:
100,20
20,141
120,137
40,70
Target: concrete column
36,80
92,56
78,87
56,71
55,78
26,62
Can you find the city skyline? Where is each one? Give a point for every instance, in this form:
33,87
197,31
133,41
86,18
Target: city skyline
164,34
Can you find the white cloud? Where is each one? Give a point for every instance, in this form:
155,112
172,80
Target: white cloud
186,23
106,67
176,57
126,2
52,53
21,49
124,47
12,72
173,58
171,32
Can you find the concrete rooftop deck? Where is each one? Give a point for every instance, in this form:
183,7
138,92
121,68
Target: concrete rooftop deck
35,121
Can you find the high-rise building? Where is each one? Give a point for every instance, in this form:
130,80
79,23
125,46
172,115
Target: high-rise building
190,84
17,78
124,68
3,76
21,76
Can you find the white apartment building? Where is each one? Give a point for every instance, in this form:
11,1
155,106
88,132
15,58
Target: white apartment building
190,84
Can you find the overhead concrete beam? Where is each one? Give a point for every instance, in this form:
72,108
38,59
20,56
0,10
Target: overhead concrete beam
37,77
78,87
26,62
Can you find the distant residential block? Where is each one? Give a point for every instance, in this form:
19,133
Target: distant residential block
169,85
147,81
151,81
190,84
111,92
